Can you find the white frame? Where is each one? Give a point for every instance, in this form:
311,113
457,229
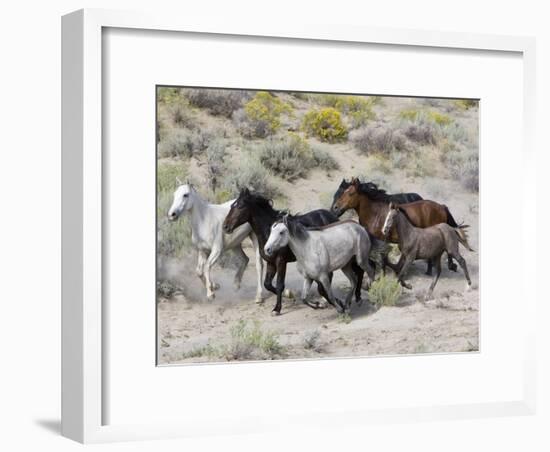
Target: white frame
82,217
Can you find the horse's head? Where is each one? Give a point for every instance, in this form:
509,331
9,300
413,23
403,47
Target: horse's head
390,218
239,212
183,201
349,199
343,186
278,237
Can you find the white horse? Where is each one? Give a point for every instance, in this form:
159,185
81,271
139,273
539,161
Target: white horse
209,238
322,250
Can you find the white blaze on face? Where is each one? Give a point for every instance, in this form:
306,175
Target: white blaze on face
278,238
389,221
181,201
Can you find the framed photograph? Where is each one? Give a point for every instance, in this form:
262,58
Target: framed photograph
266,227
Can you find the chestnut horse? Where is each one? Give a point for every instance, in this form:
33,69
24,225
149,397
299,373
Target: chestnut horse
372,208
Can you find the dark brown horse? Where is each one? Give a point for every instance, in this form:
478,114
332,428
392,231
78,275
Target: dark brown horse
258,211
372,208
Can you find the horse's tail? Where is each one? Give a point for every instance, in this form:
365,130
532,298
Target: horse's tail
450,219
363,252
463,237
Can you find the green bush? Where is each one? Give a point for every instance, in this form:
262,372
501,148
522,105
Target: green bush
264,111
359,109
325,124
465,104
439,118
385,291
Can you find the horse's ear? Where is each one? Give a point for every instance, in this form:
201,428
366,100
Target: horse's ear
355,181
178,182
246,191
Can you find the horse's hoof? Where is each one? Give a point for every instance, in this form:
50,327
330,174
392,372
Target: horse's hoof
210,297
359,302
259,300
453,268
237,285
275,313
215,286
322,305
468,287
407,286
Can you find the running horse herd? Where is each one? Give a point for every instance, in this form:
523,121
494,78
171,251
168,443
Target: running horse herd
319,242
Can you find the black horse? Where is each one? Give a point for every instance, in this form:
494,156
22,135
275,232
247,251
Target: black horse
260,214
367,187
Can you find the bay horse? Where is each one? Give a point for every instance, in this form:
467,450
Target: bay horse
258,212
400,198
322,250
425,243
209,238
371,206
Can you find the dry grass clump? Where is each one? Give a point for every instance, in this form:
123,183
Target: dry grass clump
311,340
251,342
218,102
250,173
185,143
173,238
379,138
385,291
292,157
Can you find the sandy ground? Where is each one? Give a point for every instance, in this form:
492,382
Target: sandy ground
446,323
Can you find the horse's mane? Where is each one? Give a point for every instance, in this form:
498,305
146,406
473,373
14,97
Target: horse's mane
373,192
257,200
295,228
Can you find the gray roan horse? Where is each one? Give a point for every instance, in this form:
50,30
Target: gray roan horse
425,243
209,238
322,250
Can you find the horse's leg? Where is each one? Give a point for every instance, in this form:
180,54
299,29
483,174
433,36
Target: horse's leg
462,264
437,261
325,281
270,271
323,294
200,265
408,260
430,266
359,272
351,275
259,267
452,266
243,262
215,254
305,291
281,273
